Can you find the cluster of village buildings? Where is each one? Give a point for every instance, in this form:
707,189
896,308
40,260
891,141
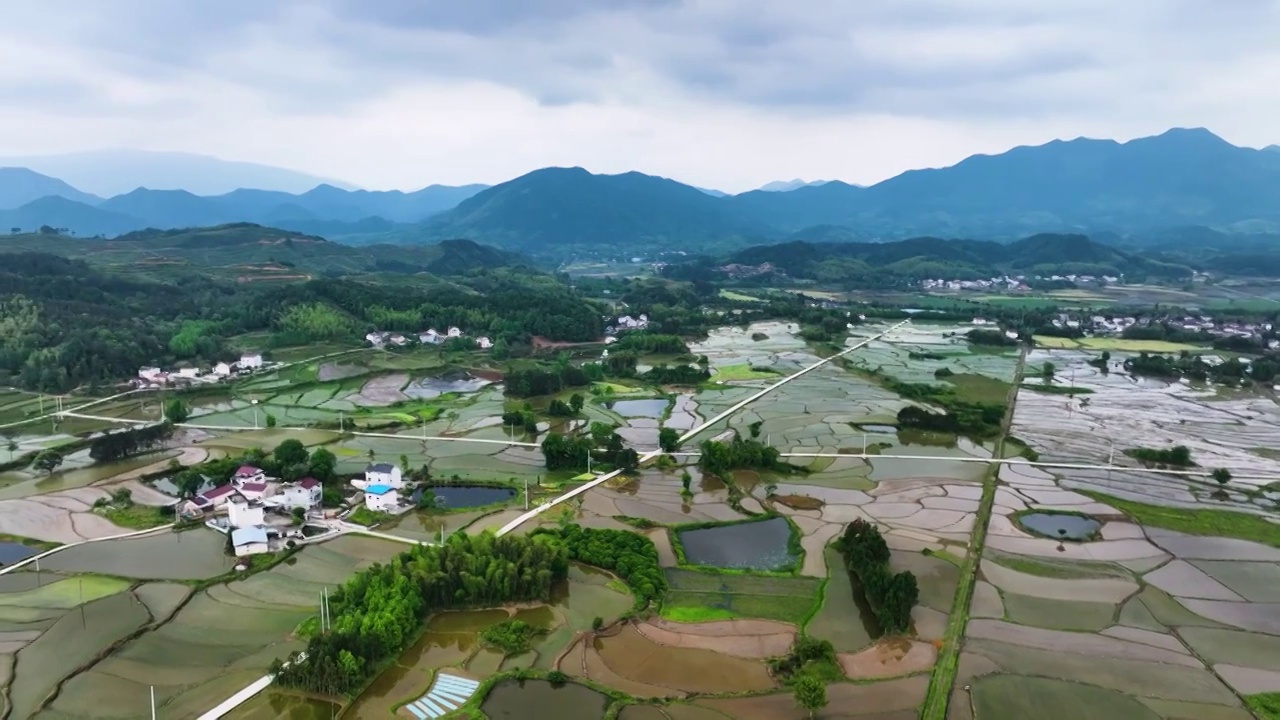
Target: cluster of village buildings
259,511
1103,325
154,377
1016,283
429,337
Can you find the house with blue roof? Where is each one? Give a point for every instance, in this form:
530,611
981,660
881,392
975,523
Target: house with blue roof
381,498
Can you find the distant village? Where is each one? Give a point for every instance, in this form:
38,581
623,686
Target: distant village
429,337
1018,283
263,514
1103,325
154,377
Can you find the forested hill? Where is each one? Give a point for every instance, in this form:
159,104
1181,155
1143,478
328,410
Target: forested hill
66,324
253,252
890,263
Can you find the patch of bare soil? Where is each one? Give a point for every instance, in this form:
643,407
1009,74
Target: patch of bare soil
799,502
888,658
750,639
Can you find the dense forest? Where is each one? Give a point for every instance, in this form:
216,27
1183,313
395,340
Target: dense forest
903,262
65,324
378,611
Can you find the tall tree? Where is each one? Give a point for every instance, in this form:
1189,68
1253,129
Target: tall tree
810,693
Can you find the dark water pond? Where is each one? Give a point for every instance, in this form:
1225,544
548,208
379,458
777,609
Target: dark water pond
889,429
652,408
428,388
753,546
12,552
1069,527
540,700
455,497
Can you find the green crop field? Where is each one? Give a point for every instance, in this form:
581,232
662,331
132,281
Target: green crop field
698,596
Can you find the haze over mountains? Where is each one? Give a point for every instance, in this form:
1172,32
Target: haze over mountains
1181,177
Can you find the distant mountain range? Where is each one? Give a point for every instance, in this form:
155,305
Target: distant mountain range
1179,178
789,185
111,172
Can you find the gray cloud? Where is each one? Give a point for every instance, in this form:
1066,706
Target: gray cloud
925,57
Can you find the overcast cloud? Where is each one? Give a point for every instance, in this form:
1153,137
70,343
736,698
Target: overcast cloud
718,93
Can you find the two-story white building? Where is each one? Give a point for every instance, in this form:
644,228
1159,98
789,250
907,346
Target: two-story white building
248,474
305,493
222,369
241,513
381,474
250,361
381,498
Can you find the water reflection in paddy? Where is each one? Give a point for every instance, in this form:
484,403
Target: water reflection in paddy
540,700
754,545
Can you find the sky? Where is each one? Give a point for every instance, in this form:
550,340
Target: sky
726,94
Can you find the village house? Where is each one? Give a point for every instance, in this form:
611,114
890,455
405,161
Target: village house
251,361
222,369
152,374
241,513
208,501
454,332
248,474
381,474
430,337
399,340
484,343
376,338
189,373
256,490
250,541
305,493
381,498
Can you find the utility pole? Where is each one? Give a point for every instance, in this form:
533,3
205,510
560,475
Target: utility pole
84,623
153,702
526,493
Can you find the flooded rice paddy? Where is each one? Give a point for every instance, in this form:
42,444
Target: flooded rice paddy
752,545
456,497
541,700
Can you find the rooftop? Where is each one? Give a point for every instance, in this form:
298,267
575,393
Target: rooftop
379,489
248,535
308,483
247,470
380,468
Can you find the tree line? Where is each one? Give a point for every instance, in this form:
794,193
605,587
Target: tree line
127,443
891,596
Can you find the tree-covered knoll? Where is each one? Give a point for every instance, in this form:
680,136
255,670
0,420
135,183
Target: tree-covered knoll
377,612
902,262
891,596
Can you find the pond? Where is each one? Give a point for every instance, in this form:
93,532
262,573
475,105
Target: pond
12,552
1060,525
761,545
540,700
457,497
166,486
428,388
649,408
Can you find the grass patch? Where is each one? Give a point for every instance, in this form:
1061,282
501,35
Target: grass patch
743,371
1265,705
137,517
66,593
700,596
975,388
368,518
737,296
1048,389
41,545
697,614
1115,343
1201,521
1075,570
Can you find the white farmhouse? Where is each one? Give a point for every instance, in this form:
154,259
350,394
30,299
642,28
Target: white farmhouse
484,343
250,541
151,374
383,474
430,337
222,369
251,361
381,498
454,332
248,474
305,494
241,513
